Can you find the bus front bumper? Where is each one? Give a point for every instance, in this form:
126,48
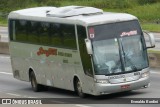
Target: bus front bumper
102,89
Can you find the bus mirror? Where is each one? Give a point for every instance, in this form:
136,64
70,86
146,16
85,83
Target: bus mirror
88,46
149,37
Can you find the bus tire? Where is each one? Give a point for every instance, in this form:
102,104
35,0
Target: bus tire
78,88
35,86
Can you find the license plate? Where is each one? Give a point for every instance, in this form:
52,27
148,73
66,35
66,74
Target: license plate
125,86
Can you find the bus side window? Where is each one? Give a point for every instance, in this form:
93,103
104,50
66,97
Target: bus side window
69,38
63,35
20,31
12,30
33,32
56,39
85,58
44,33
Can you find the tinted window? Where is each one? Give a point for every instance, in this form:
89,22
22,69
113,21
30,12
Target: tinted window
56,35
20,30
33,31
69,39
63,35
44,33
85,58
113,30
12,30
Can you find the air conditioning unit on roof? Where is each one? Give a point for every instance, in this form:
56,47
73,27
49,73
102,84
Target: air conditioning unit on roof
70,11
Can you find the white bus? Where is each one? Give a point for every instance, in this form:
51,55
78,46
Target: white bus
78,48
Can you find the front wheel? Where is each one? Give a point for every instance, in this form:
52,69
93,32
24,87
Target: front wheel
79,89
35,86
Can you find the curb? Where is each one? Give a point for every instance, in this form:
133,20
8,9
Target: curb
4,48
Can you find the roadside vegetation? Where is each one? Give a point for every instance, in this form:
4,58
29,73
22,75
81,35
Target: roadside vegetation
146,10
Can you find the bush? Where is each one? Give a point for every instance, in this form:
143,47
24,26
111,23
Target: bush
116,4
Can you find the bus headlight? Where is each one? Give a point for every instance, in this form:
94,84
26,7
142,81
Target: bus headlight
145,74
103,81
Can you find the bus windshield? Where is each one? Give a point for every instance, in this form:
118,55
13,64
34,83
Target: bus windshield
118,48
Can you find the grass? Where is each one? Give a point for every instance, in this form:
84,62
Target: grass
154,51
3,21
146,13
151,27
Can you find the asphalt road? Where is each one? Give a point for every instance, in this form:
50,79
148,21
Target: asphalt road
12,88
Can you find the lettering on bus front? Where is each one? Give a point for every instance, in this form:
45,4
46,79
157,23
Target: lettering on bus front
130,33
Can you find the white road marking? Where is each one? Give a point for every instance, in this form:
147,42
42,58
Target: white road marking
57,102
23,96
17,95
32,97
5,57
78,105
6,73
153,72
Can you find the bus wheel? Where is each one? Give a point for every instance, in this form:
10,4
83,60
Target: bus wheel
35,86
79,89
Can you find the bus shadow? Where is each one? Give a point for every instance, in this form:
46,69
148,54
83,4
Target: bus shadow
108,96
70,97
62,92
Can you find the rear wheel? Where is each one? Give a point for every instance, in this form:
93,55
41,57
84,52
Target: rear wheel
35,86
79,91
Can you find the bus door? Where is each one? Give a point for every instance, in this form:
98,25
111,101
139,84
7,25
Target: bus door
87,80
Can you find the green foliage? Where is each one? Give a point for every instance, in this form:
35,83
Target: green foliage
10,5
142,2
3,21
102,3
151,27
145,10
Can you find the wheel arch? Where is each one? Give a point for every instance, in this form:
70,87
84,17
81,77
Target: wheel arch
30,71
76,77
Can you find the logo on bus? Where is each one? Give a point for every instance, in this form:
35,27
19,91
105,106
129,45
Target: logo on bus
134,32
50,51
91,32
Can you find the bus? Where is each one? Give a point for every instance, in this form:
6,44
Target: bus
78,48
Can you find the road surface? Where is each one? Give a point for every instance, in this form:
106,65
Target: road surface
12,88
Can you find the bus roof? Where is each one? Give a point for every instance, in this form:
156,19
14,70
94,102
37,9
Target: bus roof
70,14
